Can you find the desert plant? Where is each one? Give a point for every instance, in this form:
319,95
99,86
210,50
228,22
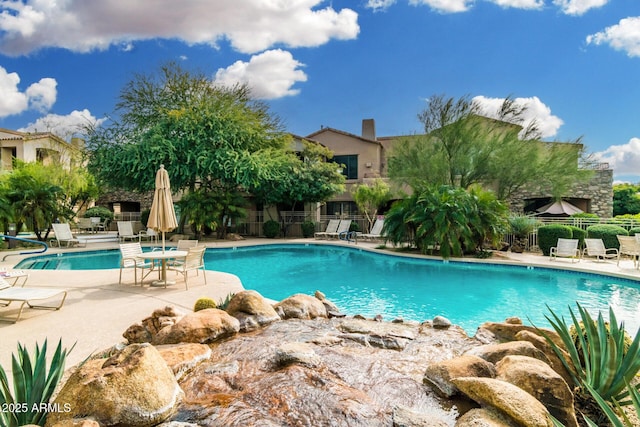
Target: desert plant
605,367
521,226
32,385
308,228
619,419
204,303
608,233
223,304
271,228
548,236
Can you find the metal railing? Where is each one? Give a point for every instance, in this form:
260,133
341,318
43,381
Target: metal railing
20,239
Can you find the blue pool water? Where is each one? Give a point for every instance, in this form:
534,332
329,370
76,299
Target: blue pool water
415,289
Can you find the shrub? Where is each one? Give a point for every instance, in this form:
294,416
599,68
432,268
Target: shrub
578,233
521,226
548,236
31,384
354,226
204,303
308,228
607,233
223,304
271,228
100,211
634,230
584,215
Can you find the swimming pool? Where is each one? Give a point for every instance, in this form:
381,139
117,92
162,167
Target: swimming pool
359,281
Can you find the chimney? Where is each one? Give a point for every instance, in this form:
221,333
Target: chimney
369,129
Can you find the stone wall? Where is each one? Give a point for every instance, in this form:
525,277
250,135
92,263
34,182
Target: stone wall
598,190
145,199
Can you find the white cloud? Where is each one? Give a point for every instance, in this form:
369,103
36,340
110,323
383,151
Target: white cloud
445,6
520,4
64,126
380,4
535,110
579,7
623,36
623,159
249,25
39,96
270,74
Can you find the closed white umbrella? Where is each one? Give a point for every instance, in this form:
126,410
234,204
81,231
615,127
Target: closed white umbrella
162,217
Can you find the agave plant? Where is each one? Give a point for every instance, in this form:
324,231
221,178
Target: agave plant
621,420
33,386
605,368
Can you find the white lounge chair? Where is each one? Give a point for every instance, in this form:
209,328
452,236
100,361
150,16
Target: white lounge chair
566,248
332,227
63,235
343,228
129,253
125,231
26,296
596,248
376,231
629,245
14,275
194,261
98,224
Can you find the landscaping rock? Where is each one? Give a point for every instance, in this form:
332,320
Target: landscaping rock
252,310
134,387
484,417
494,352
440,374
512,401
183,357
297,352
440,322
301,306
407,417
539,380
543,345
204,326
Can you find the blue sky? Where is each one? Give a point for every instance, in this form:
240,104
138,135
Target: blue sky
574,63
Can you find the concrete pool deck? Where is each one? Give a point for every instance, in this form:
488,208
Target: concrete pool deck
98,310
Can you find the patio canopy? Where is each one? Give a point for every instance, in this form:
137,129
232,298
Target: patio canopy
559,207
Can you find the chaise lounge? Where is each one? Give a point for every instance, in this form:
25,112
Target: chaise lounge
26,296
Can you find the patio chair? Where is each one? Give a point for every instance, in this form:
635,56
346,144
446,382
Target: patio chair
596,248
332,227
63,235
85,224
376,231
130,259
343,228
194,261
150,234
629,245
125,231
566,248
99,225
26,296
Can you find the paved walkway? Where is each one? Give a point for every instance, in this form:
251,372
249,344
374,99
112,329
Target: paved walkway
98,310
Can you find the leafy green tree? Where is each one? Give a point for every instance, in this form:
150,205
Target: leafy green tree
462,148
371,197
626,199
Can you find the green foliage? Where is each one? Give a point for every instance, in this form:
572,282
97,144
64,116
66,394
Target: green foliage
618,419
463,148
204,303
608,233
521,226
626,199
578,233
32,385
144,216
634,230
223,304
308,228
584,215
548,236
271,229
606,367
452,219
370,198
100,211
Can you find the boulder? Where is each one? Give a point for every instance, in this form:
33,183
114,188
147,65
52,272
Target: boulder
81,422
494,352
539,380
440,374
297,352
183,357
301,306
407,417
440,322
506,398
332,309
507,331
150,326
483,417
252,310
134,387
543,345
204,326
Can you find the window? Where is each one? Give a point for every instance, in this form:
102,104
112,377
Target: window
350,162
